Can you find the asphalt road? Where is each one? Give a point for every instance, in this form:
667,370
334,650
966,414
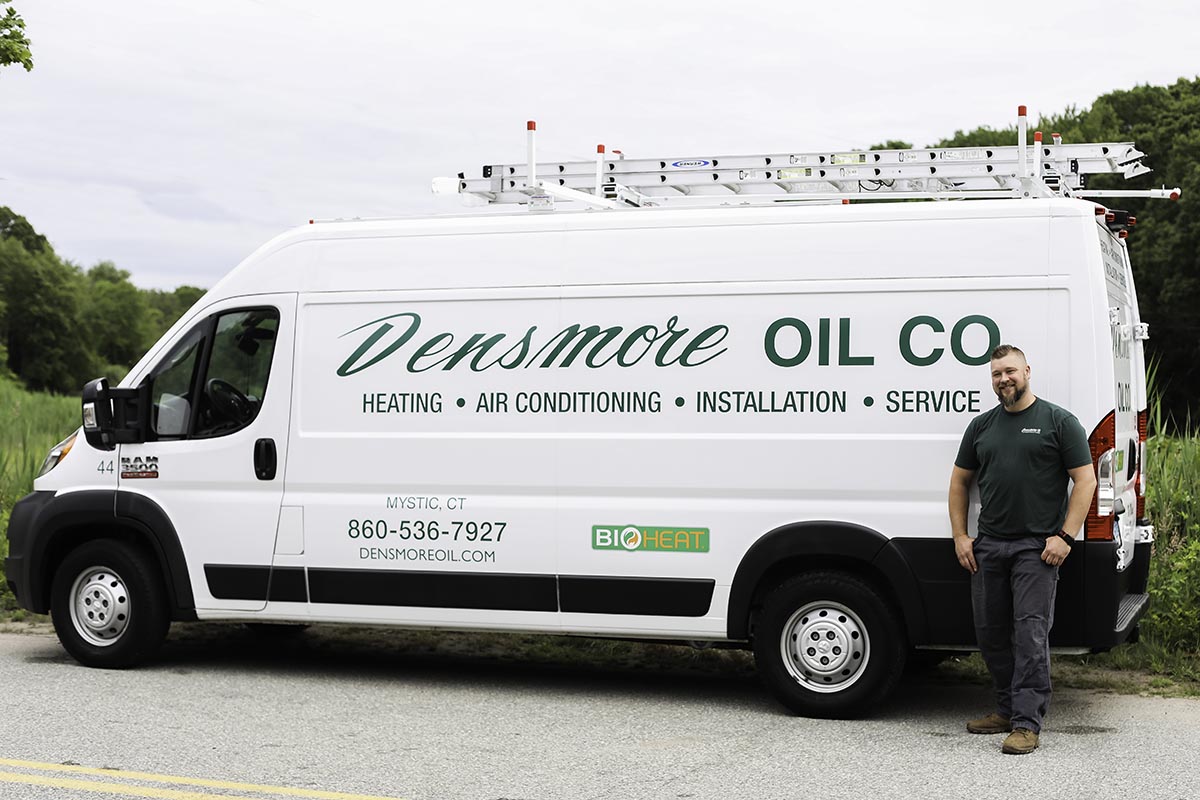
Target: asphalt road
313,718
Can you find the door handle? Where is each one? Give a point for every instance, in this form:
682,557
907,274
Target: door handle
265,459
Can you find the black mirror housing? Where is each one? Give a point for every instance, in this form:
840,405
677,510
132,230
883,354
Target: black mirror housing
97,414
115,416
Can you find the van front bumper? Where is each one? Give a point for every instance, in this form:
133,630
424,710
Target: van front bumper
22,533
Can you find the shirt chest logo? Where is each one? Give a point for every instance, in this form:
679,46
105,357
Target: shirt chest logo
1031,430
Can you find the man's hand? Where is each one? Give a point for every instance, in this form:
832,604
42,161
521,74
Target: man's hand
964,548
960,493
1056,551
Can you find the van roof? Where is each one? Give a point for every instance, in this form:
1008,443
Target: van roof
651,216
523,221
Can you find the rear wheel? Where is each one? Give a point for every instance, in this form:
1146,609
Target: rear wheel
828,645
108,604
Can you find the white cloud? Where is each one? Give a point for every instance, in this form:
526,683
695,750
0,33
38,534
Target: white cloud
173,137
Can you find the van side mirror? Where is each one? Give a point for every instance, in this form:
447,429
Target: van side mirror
115,416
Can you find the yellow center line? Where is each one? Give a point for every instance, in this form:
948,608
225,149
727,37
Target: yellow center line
112,788
171,794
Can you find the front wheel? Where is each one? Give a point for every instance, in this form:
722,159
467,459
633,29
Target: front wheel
108,604
828,645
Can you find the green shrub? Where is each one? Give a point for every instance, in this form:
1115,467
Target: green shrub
1173,505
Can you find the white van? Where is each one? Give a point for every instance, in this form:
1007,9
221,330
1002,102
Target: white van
723,425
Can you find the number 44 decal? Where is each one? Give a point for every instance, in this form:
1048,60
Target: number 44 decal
105,466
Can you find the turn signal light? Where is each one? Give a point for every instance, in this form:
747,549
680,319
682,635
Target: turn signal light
1098,526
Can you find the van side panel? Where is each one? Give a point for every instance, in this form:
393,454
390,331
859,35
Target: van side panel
620,418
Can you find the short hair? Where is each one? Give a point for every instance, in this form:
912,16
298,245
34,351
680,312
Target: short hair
1006,349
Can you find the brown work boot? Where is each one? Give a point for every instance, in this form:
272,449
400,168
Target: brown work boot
992,723
1020,742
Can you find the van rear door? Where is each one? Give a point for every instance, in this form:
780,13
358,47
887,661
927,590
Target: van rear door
1118,470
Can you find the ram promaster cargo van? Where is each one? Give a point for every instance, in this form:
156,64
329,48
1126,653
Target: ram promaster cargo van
731,423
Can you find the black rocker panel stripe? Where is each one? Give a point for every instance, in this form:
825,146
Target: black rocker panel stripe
241,582
499,592
662,597
288,585
667,597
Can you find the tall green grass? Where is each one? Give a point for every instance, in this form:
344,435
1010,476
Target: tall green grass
1173,505
1170,631
30,424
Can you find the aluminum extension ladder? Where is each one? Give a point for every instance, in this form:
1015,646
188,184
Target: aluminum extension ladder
1042,169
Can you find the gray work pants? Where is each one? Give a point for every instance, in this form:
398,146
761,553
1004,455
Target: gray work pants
1013,598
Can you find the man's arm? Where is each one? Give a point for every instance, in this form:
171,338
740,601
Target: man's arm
960,496
1081,497
1082,493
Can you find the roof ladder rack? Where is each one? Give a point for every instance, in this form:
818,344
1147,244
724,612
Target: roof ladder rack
1021,171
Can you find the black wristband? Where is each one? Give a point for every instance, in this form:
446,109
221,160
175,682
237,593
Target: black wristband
1066,537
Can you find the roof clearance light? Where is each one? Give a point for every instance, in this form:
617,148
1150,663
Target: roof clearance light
1101,210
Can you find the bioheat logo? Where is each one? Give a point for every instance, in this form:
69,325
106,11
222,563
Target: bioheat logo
642,538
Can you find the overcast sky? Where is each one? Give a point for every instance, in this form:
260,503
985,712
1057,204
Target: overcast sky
175,137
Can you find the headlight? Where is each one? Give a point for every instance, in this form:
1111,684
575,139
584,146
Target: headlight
57,454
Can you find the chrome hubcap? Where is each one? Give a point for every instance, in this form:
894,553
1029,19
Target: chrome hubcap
99,606
825,646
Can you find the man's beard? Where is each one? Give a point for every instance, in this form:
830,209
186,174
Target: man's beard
1018,393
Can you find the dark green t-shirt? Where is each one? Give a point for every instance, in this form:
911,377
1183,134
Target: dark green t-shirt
1021,461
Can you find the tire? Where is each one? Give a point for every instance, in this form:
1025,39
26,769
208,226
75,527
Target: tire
109,605
857,648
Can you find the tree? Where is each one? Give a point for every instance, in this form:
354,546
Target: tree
14,226
14,44
46,344
1164,122
115,315
165,308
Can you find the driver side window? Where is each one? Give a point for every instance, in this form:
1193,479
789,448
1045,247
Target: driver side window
214,381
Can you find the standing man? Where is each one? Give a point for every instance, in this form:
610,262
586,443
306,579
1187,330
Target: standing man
1022,452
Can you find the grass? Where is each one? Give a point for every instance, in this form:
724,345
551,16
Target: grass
30,424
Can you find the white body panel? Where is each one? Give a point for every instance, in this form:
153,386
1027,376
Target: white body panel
207,487
837,353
